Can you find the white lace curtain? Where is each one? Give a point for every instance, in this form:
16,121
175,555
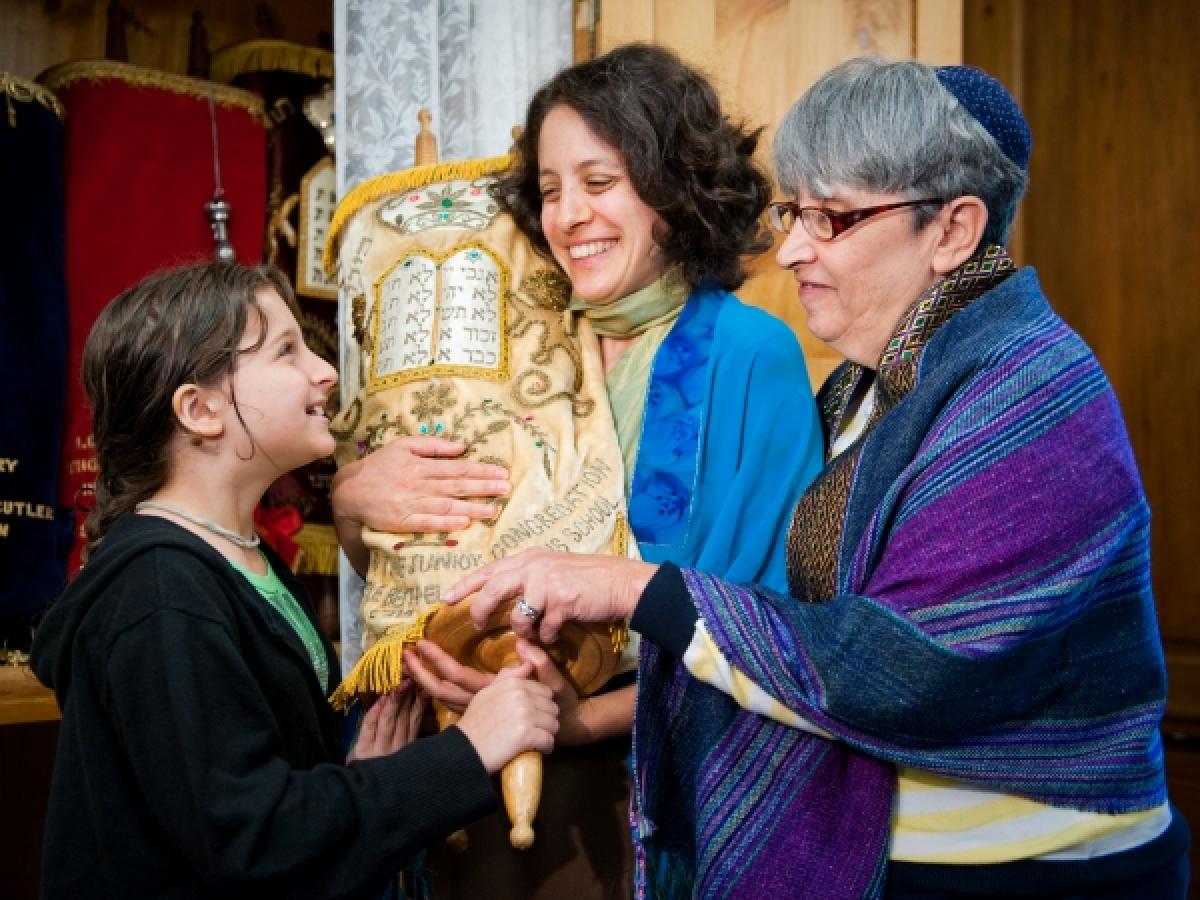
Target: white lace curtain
473,63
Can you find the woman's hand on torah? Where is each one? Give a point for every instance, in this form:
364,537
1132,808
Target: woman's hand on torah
509,716
391,723
412,484
443,677
557,588
417,484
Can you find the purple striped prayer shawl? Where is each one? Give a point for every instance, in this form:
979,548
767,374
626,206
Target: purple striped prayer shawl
990,619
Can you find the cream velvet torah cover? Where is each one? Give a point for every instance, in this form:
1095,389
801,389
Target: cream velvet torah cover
460,330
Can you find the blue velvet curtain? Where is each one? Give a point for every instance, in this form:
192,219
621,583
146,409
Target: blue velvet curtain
34,534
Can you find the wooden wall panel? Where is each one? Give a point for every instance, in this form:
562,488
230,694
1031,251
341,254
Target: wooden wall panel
32,39
938,32
1111,224
622,21
826,32
762,54
690,27
994,40
764,67
818,35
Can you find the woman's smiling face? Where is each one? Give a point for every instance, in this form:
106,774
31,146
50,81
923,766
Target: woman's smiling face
599,230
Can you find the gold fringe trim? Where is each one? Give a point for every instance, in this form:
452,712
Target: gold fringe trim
381,667
62,76
618,633
397,182
14,88
319,550
270,56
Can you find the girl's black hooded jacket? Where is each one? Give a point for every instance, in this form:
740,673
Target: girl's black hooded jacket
198,756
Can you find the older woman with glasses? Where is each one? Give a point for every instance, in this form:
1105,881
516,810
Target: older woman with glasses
960,695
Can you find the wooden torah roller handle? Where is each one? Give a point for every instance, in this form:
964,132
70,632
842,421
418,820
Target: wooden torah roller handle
586,655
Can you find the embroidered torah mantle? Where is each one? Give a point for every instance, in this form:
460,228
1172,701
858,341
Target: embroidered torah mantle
460,331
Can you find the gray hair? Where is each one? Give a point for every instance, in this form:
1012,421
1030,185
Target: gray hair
890,127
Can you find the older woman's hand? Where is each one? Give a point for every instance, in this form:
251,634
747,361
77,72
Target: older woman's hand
412,484
555,588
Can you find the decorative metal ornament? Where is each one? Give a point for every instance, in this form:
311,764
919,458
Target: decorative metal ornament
218,209
318,109
317,198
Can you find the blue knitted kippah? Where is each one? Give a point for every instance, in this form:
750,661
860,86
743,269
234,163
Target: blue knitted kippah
992,106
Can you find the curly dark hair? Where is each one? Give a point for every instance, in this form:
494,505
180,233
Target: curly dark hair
686,160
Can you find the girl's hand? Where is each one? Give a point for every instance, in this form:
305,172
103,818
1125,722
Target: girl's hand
570,729
443,677
580,720
509,716
391,723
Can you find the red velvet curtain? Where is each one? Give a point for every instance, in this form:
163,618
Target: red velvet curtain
139,170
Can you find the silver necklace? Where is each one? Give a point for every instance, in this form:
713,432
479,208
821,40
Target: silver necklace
246,543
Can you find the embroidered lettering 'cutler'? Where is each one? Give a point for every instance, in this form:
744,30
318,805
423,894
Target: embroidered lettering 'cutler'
20,508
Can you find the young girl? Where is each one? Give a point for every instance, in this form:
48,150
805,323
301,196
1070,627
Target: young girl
197,753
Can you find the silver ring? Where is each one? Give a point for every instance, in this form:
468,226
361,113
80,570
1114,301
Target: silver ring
526,610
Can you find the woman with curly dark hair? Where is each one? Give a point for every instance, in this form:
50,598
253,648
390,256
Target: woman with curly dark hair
631,178
689,165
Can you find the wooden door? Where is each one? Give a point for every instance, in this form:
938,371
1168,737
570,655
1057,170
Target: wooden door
1111,224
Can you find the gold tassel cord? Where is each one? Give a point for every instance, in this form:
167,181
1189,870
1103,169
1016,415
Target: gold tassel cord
23,91
618,632
397,182
62,76
381,668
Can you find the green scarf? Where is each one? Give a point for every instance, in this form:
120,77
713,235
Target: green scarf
656,304
649,314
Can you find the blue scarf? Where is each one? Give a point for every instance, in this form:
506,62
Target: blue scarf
729,440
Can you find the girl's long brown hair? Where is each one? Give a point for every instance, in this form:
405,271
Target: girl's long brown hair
175,327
